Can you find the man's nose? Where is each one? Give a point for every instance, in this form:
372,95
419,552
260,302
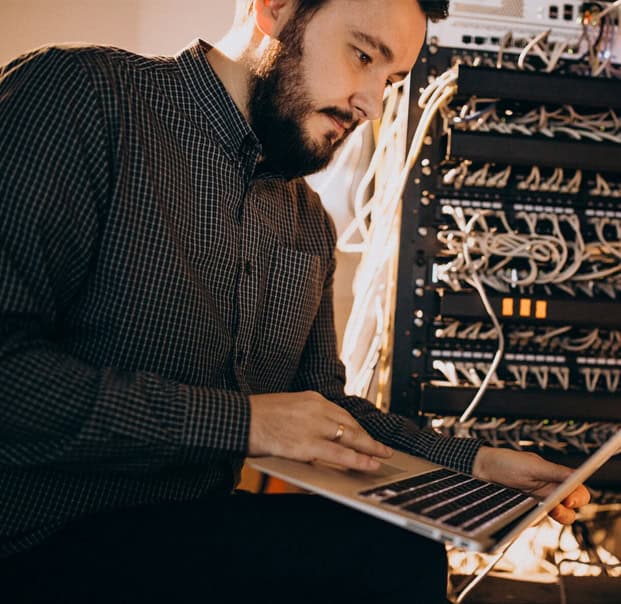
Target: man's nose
369,103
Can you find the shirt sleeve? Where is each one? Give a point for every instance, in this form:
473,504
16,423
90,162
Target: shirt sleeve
322,371
55,175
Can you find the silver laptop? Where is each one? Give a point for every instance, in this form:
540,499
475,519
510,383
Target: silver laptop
434,501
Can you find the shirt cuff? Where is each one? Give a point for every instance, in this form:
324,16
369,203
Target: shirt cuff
218,420
453,452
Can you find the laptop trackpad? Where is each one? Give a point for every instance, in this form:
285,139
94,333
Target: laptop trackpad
385,471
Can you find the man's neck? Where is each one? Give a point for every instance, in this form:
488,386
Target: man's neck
233,75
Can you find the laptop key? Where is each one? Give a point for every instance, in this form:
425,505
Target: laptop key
472,513
448,495
429,490
424,506
509,505
461,503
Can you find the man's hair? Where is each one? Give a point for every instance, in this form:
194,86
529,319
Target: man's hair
435,10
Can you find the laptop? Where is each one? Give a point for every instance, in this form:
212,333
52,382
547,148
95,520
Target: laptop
434,501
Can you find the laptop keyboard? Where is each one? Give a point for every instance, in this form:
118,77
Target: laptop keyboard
449,497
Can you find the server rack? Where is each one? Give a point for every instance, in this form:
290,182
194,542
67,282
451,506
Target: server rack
557,388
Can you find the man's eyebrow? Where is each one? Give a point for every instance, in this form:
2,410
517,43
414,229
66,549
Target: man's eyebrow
377,44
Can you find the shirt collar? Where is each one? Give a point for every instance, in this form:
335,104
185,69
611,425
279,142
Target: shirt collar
212,98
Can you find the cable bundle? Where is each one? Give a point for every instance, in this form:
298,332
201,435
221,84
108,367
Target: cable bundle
374,232
565,436
505,258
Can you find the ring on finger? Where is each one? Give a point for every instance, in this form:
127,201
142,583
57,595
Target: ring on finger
339,432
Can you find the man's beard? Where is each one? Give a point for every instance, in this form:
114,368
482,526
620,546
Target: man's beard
279,105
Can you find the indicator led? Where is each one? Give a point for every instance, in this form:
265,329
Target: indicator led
541,309
507,307
525,307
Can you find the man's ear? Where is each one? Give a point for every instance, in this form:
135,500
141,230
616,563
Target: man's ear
271,15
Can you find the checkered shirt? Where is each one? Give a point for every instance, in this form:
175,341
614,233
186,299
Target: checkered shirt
151,278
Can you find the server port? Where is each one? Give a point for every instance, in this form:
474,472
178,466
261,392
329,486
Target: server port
568,12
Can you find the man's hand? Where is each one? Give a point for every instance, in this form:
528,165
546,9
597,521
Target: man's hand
530,473
305,426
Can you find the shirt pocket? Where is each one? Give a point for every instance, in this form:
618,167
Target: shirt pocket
294,286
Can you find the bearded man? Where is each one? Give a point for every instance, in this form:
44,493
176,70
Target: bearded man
166,311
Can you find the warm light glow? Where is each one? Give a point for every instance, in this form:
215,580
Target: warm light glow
530,556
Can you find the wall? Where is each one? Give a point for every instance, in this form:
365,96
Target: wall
145,26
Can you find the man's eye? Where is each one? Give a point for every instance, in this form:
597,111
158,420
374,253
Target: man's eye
363,57
389,83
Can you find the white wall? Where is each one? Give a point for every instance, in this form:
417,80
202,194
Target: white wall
145,26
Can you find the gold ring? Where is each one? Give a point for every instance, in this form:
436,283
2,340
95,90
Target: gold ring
339,432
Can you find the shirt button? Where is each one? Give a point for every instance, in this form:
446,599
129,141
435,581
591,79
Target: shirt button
248,267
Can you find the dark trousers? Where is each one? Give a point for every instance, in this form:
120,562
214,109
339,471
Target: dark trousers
239,548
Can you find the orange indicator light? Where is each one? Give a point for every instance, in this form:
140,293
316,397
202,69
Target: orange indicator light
507,307
525,307
541,309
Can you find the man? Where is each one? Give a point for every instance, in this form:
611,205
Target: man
165,304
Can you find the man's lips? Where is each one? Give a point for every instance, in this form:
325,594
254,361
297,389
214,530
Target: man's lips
340,128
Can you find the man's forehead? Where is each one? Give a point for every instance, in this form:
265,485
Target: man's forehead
395,28
376,42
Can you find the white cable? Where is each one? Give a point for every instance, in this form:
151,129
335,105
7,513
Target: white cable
530,46
609,9
474,280
374,276
393,130
597,274
562,376
557,52
448,370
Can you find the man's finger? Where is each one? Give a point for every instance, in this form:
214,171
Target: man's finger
563,514
578,497
362,442
352,435
341,455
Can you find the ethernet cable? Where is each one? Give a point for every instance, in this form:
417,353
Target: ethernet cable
375,275
473,279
